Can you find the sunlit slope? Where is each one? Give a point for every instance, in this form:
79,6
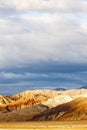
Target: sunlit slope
4,100
78,110
49,98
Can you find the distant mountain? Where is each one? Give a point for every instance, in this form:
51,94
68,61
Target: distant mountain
60,89
83,87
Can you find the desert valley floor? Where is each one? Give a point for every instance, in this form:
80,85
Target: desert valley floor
49,125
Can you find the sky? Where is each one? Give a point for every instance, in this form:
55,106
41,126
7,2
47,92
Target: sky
43,44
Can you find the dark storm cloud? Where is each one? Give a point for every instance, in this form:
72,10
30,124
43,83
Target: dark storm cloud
50,67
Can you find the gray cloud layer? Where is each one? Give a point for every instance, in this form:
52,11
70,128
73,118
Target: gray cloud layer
42,37
58,32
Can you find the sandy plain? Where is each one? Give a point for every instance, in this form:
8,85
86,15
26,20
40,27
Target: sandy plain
47,125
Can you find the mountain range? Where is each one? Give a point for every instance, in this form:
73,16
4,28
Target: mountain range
42,105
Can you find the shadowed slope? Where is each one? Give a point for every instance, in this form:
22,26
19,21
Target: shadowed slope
24,114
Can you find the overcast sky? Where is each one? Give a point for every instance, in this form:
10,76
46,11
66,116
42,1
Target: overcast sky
43,43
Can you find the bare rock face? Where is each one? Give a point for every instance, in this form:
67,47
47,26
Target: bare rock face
35,94
4,100
49,98
76,92
60,99
64,97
